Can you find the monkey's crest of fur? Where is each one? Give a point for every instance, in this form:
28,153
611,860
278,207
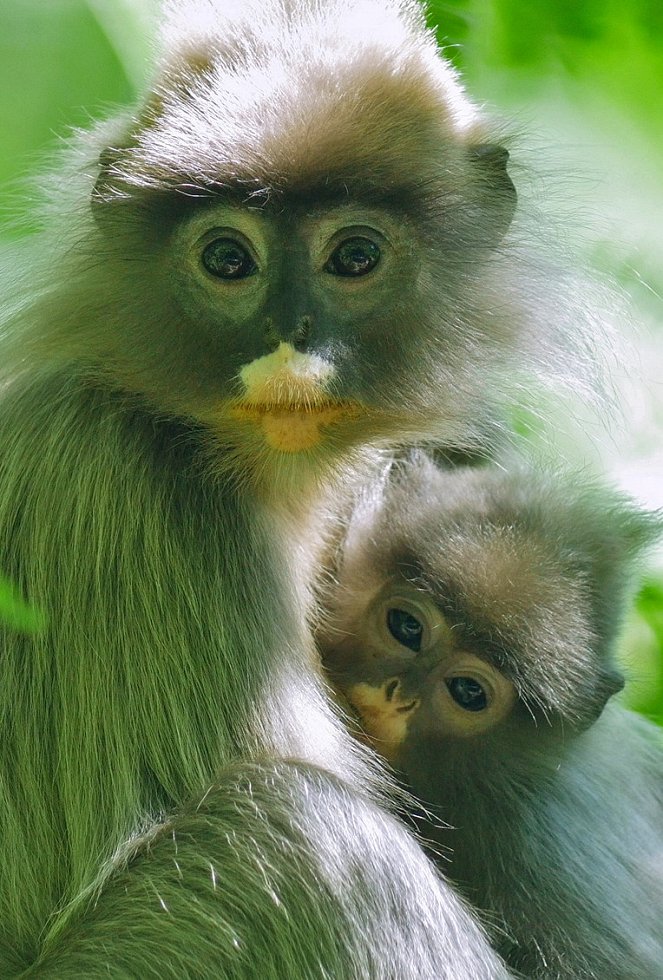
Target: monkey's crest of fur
301,116
308,44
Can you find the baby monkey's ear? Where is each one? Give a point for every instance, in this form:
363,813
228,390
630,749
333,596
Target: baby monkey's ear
574,702
496,191
609,682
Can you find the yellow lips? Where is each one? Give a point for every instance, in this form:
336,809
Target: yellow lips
286,395
293,428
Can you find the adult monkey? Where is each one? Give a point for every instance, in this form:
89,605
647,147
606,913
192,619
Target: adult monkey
285,262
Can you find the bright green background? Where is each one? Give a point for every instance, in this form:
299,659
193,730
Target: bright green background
584,78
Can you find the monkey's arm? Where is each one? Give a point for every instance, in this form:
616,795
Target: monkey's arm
279,871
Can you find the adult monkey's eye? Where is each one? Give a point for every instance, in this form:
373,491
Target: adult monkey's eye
353,257
405,628
227,259
467,693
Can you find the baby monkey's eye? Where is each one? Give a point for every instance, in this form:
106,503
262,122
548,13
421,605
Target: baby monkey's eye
353,257
467,693
405,628
227,259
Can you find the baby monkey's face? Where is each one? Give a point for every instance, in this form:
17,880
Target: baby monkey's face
404,668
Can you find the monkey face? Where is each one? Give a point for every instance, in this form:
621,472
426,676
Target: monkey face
298,320
406,671
472,615
295,325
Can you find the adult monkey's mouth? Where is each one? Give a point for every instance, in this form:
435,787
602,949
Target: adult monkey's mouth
295,426
286,394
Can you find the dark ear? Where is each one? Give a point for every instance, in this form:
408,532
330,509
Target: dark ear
610,539
609,682
111,186
108,185
578,709
497,193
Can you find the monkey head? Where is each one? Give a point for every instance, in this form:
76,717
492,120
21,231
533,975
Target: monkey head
292,244
474,615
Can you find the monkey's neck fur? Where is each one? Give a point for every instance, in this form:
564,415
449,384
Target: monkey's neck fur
157,580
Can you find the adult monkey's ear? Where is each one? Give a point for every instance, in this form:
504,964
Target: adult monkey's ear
112,184
180,79
112,191
496,191
108,185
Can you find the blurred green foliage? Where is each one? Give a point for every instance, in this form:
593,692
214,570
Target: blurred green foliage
590,74
61,63
645,632
612,44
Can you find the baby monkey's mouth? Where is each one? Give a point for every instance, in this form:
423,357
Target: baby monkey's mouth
384,713
393,694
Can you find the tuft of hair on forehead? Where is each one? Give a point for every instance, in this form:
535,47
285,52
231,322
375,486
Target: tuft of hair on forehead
333,88
233,33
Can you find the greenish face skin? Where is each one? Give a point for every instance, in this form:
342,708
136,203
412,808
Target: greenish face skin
417,681
355,297
321,290
304,275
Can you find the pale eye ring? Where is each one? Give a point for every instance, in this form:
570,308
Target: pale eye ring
407,622
356,256
225,258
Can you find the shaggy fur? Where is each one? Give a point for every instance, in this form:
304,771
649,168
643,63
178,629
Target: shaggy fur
554,813
177,797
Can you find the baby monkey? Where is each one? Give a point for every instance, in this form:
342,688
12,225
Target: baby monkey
470,626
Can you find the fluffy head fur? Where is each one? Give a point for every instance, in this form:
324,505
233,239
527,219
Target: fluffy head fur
532,569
